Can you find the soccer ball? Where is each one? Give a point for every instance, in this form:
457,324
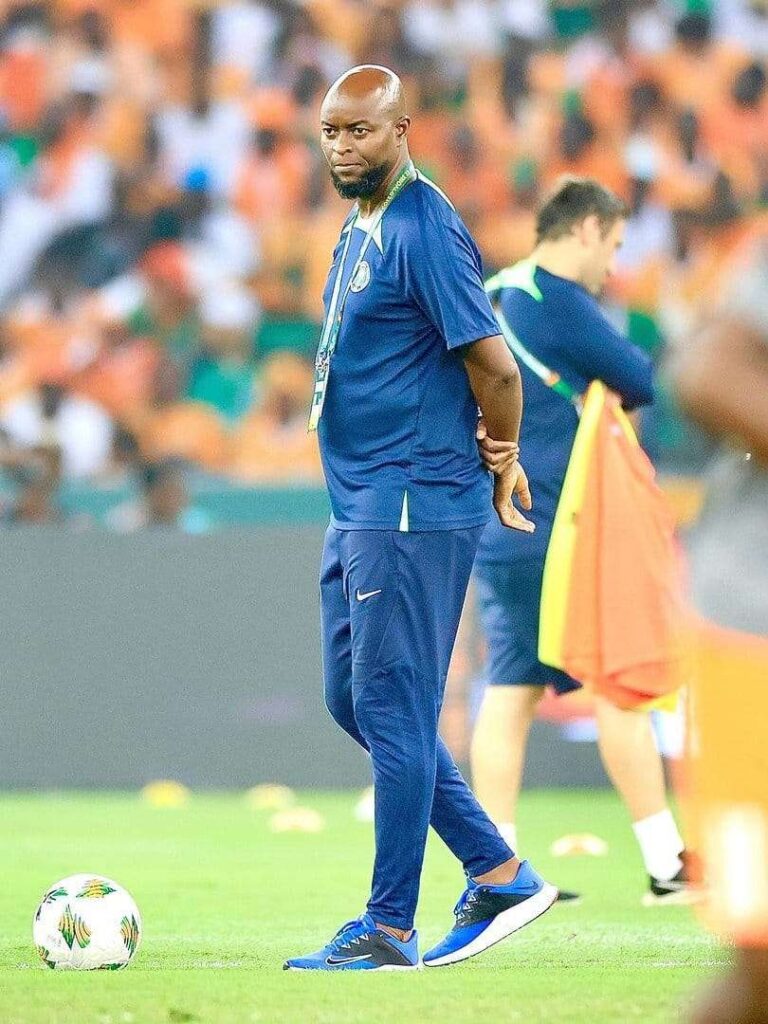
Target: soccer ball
87,923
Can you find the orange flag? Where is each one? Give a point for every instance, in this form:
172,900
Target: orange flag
612,596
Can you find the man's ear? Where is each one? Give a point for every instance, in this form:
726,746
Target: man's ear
402,127
590,228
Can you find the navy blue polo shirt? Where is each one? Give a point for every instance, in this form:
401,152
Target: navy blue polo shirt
397,433
561,324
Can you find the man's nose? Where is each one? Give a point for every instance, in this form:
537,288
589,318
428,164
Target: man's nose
342,144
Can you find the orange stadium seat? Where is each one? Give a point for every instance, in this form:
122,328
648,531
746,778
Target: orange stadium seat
263,452
186,430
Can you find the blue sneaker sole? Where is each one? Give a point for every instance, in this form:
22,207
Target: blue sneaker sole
502,926
367,970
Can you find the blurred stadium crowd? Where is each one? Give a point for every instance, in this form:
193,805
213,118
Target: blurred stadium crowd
166,219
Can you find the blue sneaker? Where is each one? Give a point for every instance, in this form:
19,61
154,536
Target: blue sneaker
361,946
486,914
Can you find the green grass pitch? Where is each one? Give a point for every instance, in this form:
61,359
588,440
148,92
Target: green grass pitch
224,901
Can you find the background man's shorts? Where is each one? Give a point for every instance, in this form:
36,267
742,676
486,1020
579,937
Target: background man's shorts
508,599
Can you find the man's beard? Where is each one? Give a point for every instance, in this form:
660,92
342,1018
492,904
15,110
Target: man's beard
365,187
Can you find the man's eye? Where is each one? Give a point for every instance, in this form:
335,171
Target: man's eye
329,132
360,132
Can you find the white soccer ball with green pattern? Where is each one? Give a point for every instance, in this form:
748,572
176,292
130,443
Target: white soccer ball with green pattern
87,923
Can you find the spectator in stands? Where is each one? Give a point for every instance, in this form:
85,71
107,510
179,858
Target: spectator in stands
71,190
272,443
52,416
35,503
224,374
35,477
154,153
165,310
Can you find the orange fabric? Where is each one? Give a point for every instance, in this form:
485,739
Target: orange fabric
625,605
59,162
160,26
691,284
727,780
726,125
123,131
642,288
186,430
272,107
318,234
342,20
272,444
429,137
272,187
697,79
122,379
597,161
605,98
480,189
16,377
166,263
22,87
547,73
44,347
264,451
506,237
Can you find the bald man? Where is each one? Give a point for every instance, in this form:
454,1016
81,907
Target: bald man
409,350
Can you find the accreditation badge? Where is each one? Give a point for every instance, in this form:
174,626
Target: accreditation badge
322,371
361,276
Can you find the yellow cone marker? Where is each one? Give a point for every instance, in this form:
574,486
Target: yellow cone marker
297,819
579,845
165,793
270,797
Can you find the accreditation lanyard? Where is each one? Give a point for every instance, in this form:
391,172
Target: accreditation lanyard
332,324
549,377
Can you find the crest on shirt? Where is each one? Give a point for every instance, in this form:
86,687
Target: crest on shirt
361,277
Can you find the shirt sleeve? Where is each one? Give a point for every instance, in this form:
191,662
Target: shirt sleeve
597,351
443,273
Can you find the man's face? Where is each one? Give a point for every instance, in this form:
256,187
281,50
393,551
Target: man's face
360,141
600,248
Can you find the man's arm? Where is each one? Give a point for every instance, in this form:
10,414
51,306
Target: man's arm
495,381
722,382
597,351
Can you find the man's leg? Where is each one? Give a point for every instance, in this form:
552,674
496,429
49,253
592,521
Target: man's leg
456,814
336,638
360,944
402,637
633,763
508,598
498,751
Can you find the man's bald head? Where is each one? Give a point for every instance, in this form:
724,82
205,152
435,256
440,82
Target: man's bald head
372,84
364,127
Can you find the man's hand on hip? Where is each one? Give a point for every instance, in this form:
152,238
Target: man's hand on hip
496,456
508,485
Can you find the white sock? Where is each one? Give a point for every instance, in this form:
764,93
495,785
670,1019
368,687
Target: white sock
508,832
660,844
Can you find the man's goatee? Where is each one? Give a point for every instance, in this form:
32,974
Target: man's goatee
364,187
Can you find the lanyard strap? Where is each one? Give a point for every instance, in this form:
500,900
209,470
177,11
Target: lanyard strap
549,377
332,325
